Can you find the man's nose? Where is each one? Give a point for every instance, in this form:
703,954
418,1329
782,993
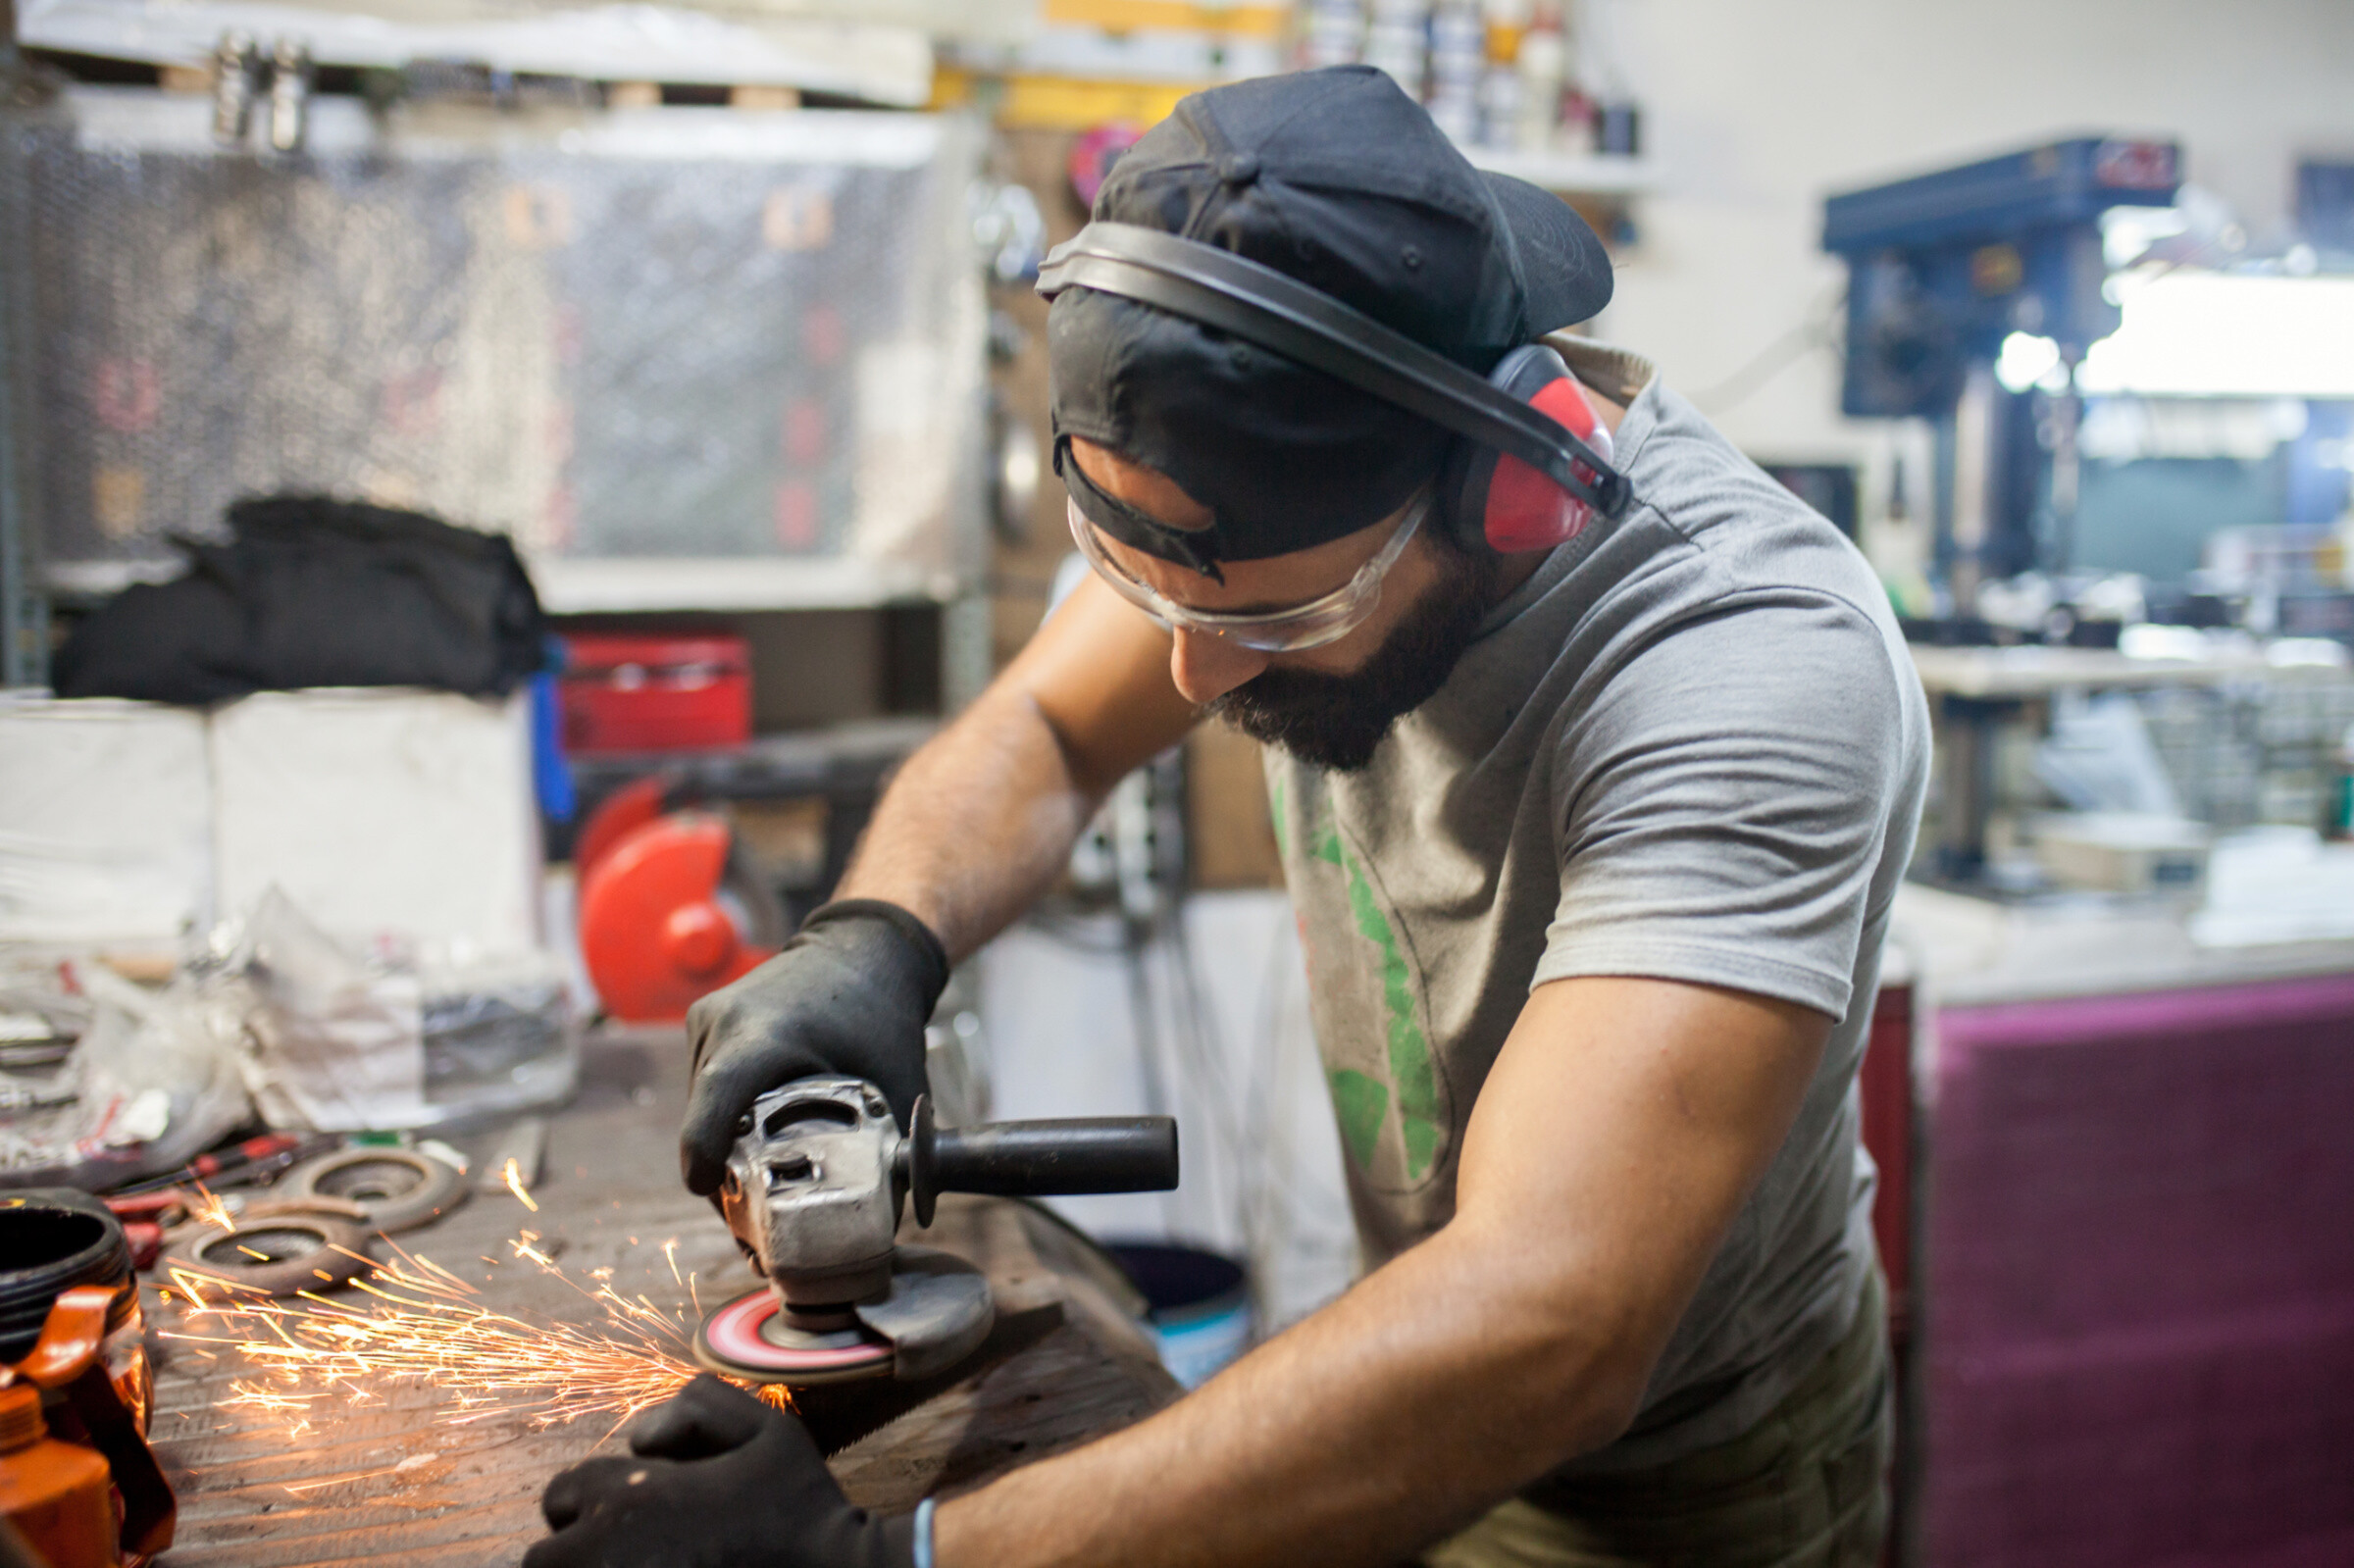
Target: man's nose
1206,668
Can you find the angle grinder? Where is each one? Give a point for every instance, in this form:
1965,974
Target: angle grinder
813,1194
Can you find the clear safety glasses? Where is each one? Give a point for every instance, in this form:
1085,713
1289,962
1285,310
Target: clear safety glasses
1323,619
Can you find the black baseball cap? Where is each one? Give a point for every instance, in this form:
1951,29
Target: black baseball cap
1341,180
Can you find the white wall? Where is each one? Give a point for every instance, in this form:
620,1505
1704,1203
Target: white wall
1754,111
1259,1157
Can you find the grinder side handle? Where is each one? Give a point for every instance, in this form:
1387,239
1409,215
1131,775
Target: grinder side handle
1040,1159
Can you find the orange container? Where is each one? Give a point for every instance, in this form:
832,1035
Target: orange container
45,1478
59,1496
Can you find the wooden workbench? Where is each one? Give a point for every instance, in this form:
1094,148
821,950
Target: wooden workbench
395,1478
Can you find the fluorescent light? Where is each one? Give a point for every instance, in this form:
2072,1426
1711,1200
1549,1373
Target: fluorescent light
2210,334
2128,233
2027,361
2245,429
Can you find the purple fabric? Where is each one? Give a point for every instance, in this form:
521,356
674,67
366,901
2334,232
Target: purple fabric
2140,1281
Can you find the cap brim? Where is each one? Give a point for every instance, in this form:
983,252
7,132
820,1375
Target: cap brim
1565,270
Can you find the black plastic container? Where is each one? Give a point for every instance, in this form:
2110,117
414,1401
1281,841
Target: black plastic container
52,1240
1202,1316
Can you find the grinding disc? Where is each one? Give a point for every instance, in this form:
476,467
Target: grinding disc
749,1339
399,1188
938,1311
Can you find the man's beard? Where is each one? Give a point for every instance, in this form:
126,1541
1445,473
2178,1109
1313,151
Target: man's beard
1336,722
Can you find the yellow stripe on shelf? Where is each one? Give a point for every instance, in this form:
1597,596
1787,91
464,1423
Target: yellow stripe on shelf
1127,15
1060,103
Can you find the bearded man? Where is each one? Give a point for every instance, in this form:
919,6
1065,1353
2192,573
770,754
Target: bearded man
1593,825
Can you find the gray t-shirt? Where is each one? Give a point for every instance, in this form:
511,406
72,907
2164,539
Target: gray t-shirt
1691,746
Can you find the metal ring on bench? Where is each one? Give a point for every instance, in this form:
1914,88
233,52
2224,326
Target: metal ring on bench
399,1188
276,1249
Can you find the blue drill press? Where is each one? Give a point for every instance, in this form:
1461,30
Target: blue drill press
1941,269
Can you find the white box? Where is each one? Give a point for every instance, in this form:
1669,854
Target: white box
2124,851
105,822
387,816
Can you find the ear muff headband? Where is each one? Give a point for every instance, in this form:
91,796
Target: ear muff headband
1502,500
1278,313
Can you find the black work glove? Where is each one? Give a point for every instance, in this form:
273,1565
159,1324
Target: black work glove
720,1480
850,995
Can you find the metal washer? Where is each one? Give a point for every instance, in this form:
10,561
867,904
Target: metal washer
399,1188
337,1232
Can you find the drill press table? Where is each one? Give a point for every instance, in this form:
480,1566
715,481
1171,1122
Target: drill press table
394,1479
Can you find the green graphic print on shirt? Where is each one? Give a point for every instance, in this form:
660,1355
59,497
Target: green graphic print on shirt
1366,991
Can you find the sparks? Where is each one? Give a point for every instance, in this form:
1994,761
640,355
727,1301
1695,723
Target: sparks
210,1208
512,1174
421,1325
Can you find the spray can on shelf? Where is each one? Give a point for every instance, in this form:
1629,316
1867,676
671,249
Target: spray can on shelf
1459,58
235,64
1398,41
289,94
1506,25
1541,63
1618,129
1332,32
1458,41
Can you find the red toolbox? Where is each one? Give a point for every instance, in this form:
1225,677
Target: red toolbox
654,691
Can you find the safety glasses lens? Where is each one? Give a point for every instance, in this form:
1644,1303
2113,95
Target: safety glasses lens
1312,626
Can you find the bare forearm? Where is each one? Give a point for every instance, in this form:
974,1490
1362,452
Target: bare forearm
1433,1390
977,825
1616,1136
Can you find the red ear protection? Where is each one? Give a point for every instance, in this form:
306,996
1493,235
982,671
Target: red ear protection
1559,475
1502,501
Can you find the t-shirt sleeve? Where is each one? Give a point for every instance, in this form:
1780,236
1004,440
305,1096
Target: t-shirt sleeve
1725,802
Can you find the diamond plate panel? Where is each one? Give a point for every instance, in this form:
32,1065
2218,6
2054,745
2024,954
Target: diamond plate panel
677,336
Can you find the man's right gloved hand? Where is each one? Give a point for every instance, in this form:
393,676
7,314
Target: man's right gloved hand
850,995
716,1479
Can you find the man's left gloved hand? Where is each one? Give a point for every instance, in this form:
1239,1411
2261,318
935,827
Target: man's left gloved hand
720,1480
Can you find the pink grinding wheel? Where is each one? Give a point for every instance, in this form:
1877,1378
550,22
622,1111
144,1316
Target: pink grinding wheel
743,1338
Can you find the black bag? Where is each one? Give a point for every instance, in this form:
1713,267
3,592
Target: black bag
312,591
